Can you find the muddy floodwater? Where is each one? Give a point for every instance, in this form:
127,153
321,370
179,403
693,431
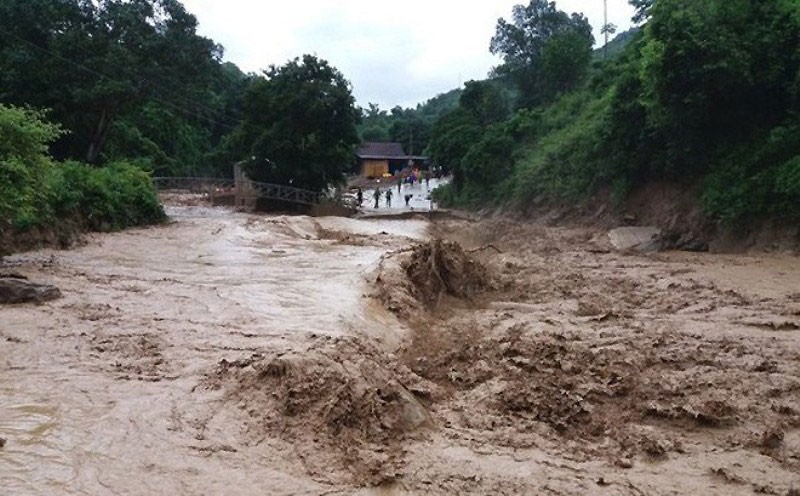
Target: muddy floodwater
97,388
233,354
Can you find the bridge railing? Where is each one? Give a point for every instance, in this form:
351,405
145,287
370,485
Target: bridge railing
193,184
245,189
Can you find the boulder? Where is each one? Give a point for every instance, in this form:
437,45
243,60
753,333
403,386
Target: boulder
18,290
636,238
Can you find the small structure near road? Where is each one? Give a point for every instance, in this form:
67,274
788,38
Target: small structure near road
377,160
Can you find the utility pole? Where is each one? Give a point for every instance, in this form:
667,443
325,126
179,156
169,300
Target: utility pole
605,27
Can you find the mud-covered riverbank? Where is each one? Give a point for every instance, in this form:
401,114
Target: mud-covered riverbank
227,353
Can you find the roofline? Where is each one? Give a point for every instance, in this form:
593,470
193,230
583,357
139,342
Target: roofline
393,157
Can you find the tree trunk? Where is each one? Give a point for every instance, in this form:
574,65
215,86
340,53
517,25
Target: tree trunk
99,137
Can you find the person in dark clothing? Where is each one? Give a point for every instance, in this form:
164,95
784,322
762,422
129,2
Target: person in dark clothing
408,198
377,196
389,197
360,196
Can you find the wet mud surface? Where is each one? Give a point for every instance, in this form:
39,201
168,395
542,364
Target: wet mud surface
228,353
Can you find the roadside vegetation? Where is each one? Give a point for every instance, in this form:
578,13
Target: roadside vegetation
58,199
705,93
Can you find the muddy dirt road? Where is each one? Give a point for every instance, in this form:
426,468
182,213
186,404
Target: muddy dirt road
233,354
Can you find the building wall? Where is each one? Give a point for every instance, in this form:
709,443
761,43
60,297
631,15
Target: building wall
374,168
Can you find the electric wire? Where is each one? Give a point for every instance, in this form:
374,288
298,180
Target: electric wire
217,120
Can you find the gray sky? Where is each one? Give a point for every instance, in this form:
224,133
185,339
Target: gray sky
398,53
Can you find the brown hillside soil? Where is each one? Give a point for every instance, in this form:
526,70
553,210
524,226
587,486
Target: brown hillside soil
676,210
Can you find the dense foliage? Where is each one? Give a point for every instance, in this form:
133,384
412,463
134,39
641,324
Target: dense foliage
409,126
706,93
25,167
545,51
36,191
299,127
129,79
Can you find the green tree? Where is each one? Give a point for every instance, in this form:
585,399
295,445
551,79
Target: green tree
92,62
471,142
643,8
542,49
24,166
486,101
714,72
299,125
451,139
412,131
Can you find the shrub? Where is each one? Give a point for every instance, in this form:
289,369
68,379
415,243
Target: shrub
24,165
117,196
758,179
37,192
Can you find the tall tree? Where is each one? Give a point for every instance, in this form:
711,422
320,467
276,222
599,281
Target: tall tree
607,29
92,61
537,47
299,125
715,71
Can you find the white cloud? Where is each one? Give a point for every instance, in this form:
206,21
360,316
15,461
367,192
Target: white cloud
393,53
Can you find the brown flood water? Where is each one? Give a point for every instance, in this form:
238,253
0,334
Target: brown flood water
233,354
98,389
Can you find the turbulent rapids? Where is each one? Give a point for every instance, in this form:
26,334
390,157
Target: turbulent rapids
227,353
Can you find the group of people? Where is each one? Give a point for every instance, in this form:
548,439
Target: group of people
377,194
407,177
416,175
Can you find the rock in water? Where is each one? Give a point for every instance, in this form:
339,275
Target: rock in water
635,238
13,290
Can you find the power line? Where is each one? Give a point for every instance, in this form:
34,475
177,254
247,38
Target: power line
110,79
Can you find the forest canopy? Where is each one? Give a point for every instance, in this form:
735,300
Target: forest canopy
704,96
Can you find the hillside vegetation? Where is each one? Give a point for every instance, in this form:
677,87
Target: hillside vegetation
705,96
53,201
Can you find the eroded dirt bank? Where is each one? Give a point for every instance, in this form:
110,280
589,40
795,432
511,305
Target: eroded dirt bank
234,354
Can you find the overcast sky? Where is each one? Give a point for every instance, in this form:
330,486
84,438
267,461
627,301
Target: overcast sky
394,53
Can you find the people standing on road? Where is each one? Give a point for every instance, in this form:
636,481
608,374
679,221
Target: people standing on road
389,197
399,183
408,198
360,196
377,196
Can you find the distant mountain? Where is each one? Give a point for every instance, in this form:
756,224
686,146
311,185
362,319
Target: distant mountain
440,104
